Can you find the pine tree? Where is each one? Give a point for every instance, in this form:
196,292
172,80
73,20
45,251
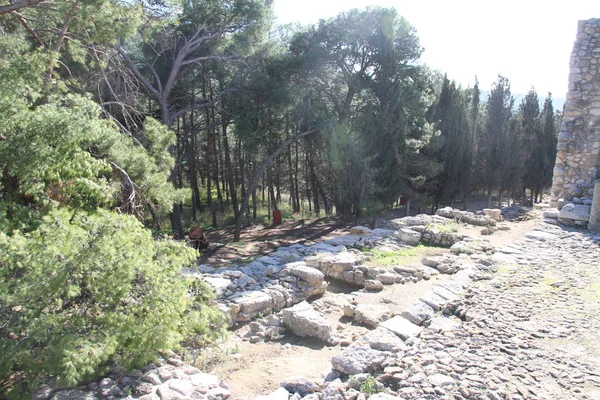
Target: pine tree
498,145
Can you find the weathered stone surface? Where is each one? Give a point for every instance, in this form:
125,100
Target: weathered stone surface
387,278
249,304
441,380
358,359
418,312
551,213
371,315
219,284
73,394
579,140
300,385
286,257
206,380
433,300
402,327
466,217
310,275
494,213
304,321
539,235
444,324
383,396
279,394
409,236
218,393
576,212
384,340
373,285
181,386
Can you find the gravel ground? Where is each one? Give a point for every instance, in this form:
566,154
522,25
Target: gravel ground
530,333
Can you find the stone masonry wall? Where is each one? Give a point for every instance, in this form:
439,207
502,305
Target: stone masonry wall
579,139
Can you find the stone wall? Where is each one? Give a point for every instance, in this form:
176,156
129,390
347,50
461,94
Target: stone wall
579,139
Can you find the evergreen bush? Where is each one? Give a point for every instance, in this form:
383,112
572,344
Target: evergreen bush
85,290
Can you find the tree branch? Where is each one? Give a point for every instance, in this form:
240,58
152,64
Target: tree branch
28,28
137,73
198,59
132,202
206,103
8,8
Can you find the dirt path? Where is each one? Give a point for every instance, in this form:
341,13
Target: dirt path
262,239
256,369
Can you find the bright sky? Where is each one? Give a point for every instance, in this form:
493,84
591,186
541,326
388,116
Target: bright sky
527,41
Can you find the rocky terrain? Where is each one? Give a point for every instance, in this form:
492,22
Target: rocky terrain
517,321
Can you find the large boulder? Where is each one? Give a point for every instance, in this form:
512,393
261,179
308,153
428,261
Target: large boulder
310,275
371,315
220,284
409,236
334,265
494,213
300,385
248,304
358,358
466,216
383,339
575,212
418,312
305,321
402,327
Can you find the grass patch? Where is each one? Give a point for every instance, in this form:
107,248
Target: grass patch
450,227
384,258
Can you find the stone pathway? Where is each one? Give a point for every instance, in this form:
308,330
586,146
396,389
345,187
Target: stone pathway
531,332
519,322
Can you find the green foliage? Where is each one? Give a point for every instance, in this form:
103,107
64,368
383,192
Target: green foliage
451,116
59,152
394,257
81,286
368,385
85,290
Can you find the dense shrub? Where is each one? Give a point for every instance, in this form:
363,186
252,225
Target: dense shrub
83,291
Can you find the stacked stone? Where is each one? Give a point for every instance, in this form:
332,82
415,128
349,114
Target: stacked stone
579,140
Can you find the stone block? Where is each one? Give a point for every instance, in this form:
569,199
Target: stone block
576,212
402,327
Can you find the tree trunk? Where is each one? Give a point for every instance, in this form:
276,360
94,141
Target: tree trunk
229,168
193,171
296,162
209,169
223,177
270,190
307,181
254,205
258,174
313,182
275,180
324,197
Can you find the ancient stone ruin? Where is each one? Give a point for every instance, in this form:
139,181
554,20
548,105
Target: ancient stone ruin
578,148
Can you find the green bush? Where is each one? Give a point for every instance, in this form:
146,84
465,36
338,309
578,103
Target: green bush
83,291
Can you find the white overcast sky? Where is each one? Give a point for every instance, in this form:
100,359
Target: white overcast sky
527,41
